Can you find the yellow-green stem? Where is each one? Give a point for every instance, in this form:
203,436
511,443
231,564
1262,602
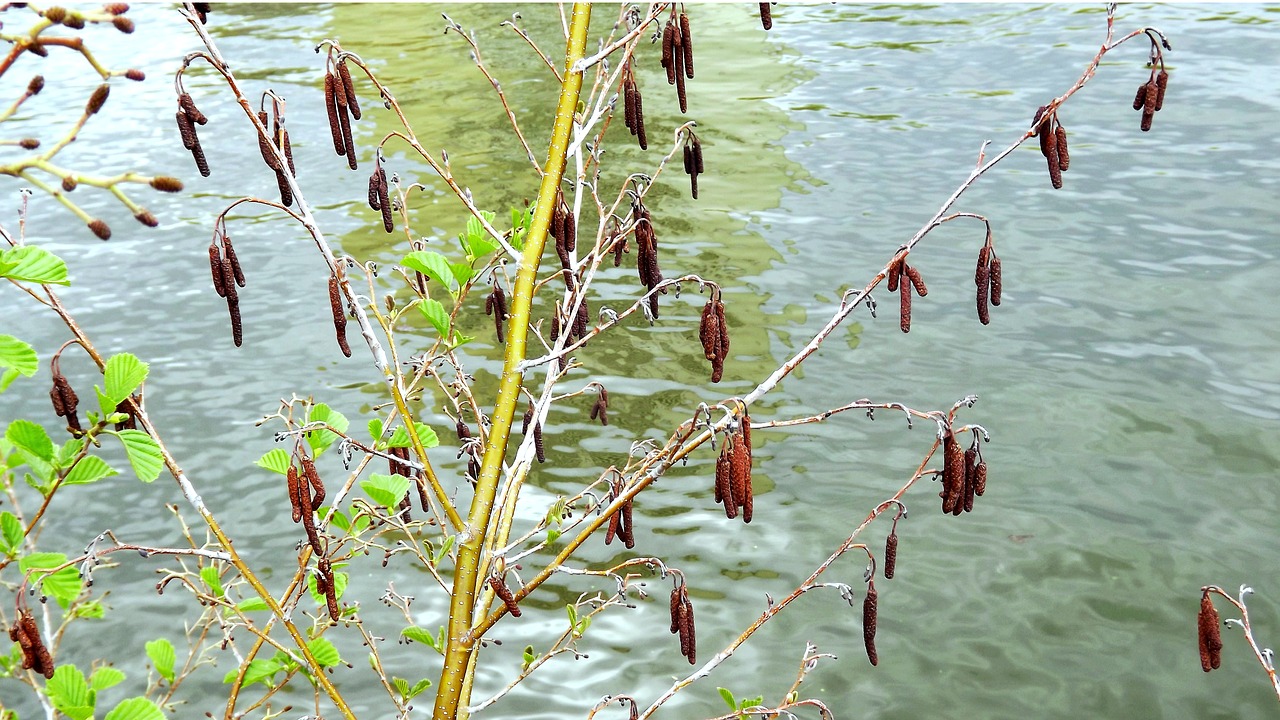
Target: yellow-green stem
460,644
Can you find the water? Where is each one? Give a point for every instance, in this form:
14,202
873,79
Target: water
1128,381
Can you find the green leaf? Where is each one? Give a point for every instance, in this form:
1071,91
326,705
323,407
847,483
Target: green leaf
400,436
338,519
211,577
375,429
386,490
63,585
121,376
435,314
90,469
18,355
33,264
162,657
91,609
528,657
144,454
339,587
552,535
433,265
418,687
138,708
324,652
11,531
258,671
422,635
753,702
6,379
69,692
105,677
276,460
320,440
462,272
252,604
728,698
28,436
402,686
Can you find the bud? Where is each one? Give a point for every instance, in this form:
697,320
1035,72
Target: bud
164,183
146,218
55,14
97,99
100,228
36,85
115,8
123,24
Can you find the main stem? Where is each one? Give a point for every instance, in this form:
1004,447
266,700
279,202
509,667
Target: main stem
460,643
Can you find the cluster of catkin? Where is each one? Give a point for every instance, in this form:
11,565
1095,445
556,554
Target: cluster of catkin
1053,143
339,308
904,280
964,475
988,278
600,410
733,471
280,138
539,448
227,275
564,229
340,101
1209,625
465,447
677,55
633,104
398,465
188,117
326,587
682,621
1150,97
380,195
495,304
35,656
713,331
306,494
620,521
64,398
647,254
693,162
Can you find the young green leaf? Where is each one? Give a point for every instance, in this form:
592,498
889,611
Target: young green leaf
375,429
728,698
386,490
137,708
90,469
91,609
252,604
33,264
162,657
417,634
434,265
259,671
276,460
18,355
324,652
11,532
121,376
209,574
435,314
30,438
69,693
105,677
462,272
63,585
321,440
400,436
418,687
402,686
144,454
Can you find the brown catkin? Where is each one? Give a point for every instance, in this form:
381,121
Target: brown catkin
294,485
1140,99
723,485
1145,125
339,315
675,610
188,106
374,194
539,448
1149,99
55,394
952,473
626,528
264,144
698,167
686,43
1064,156
1049,147
980,480
1208,625
895,274
997,284
740,472
1162,82
215,269
237,326
688,158
100,228
709,330
970,476
984,312
55,14
681,94
504,593
330,590
236,271
640,134
980,274
668,52
869,622
917,281
331,104
97,99
202,163
187,131
629,105
688,638
766,16
313,479
904,305
614,520
890,555
74,20
349,89
286,192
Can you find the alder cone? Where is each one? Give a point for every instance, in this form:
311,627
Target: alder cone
1209,625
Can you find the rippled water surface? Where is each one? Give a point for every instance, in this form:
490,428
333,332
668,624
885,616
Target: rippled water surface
1130,380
